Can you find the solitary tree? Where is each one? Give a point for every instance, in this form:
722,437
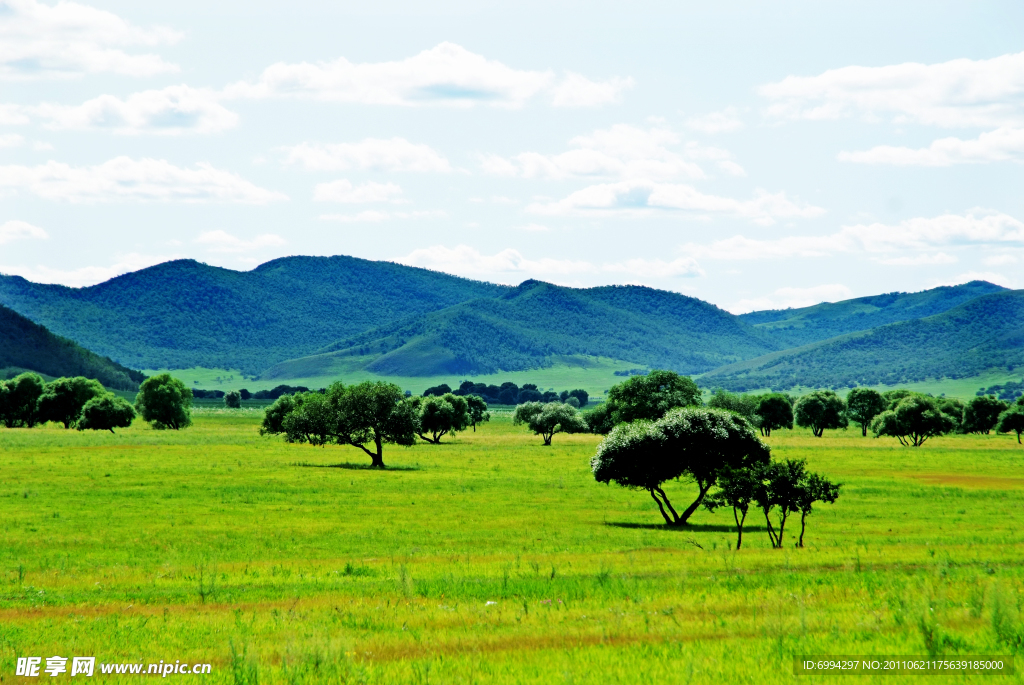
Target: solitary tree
165,402
780,490
1012,420
693,443
863,405
915,419
774,411
821,410
547,419
982,413
649,397
737,489
106,412
62,399
442,415
233,399
814,489
477,410
19,401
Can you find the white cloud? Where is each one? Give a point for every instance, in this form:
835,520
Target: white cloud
171,110
447,74
919,260
1000,259
20,230
123,178
222,241
534,228
11,140
993,146
70,39
717,122
86,275
958,93
13,115
784,298
510,266
342,190
376,216
395,154
637,198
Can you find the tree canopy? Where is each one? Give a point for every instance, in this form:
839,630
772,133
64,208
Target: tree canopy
863,405
774,411
692,443
982,414
914,419
165,402
1012,420
649,397
233,399
477,410
62,399
105,412
441,415
19,399
547,419
821,410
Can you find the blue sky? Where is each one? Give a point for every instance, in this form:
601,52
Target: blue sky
754,155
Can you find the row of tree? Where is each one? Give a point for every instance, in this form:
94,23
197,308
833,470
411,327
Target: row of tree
509,393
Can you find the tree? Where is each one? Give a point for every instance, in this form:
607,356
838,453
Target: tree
233,399
547,419
693,442
442,415
62,399
737,488
982,413
20,400
165,402
572,402
274,415
779,488
954,409
649,397
582,396
863,405
437,390
816,488
1012,420
915,419
821,410
774,411
477,410
106,412
744,405
599,419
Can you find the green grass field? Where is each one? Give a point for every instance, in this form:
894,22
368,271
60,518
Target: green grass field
490,559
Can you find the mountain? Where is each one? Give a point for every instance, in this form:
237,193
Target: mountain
984,333
536,324
183,313
794,327
26,346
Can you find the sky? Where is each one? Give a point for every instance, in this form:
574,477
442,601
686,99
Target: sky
755,155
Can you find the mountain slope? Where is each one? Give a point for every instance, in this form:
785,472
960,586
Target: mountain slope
26,345
793,327
984,333
183,313
538,323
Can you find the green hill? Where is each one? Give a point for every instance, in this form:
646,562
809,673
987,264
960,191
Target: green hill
183,314
537,324
793,327
26,346
982,334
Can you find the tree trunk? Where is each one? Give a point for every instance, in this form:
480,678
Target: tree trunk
696,504
739,526
660,507
378,459
864,429
771,529
803,527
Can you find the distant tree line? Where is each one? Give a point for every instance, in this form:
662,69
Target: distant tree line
509,393
1009,391
244,394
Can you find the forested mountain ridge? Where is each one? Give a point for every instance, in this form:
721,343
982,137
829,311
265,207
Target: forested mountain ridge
536,323
28,346
984,333
183,313
794,327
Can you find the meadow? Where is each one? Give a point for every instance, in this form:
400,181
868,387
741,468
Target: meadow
489,559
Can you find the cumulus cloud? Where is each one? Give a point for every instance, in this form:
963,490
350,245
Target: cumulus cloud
342,190
376,216
71,39
638,198
957,93
510,266
126,179
222,241
11,140
20,230
919,259
447,74
717,122
86,275
376,154
171,110
784,298
993,146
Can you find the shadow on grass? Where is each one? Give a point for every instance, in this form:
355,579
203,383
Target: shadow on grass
691,528
354,467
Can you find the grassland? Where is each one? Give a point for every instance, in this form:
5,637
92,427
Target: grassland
489,559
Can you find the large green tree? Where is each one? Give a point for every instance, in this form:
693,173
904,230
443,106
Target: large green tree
441,415
863,405
105,413
477,410
19,400
982,414
165,402
691,443
821,410
1012,420
62,399
744,405
547,419
913,420
774,411
649,397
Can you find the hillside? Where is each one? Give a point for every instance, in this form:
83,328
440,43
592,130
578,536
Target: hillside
537,324
984,333
794,327
183,313
28,346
